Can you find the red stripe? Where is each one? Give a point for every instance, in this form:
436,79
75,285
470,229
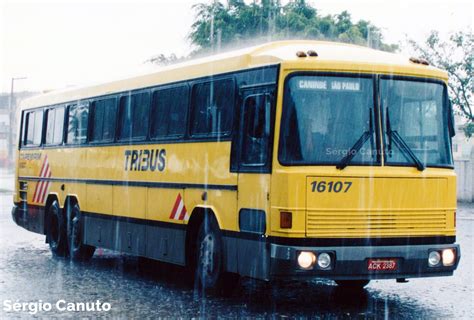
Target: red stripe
45,191
176,204
40,175
38,187
43,184
183,213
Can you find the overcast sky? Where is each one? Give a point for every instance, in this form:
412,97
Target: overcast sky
70,42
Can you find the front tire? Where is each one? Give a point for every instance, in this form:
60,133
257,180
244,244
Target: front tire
352,284
78,251
56,230
210,275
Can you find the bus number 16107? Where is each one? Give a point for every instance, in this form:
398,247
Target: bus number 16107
331,186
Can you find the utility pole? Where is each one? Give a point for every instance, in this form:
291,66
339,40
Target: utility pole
12,114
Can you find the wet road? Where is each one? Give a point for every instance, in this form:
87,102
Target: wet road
134,289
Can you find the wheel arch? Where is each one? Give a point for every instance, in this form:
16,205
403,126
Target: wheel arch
71,199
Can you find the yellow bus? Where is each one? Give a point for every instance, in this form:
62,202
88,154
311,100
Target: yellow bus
293,159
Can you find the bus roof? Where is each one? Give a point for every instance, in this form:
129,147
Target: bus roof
332,56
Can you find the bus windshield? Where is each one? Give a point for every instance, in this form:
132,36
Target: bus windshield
416,116
331,120
324,117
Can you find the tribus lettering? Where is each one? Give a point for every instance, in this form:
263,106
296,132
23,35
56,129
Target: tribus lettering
145,160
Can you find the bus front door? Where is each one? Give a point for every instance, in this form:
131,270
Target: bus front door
252,161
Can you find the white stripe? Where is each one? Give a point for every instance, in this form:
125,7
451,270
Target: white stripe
42,173
178,210
43,185
38,186
48,184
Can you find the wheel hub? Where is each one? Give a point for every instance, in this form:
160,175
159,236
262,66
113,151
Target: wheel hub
207,255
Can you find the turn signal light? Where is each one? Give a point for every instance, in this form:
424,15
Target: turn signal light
286,220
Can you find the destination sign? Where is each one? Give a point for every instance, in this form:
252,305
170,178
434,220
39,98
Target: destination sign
335,85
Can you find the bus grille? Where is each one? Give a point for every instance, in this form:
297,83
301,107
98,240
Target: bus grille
368,224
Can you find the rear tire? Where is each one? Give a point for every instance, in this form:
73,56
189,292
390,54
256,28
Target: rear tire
352,284
56,230
210,275
78,251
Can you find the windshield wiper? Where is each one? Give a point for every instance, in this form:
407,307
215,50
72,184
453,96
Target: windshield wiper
358,145
401,144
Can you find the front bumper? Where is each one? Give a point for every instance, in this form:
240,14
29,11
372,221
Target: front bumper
351,263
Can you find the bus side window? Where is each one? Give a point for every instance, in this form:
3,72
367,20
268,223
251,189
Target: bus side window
78,117
169,112
54,126
134,115
103,120
256,130
212,110
33,128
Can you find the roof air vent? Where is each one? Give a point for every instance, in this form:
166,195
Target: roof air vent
312,53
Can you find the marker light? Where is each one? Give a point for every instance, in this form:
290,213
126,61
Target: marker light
324,260
419,61
434,258
449,257
306,260
312,53
301,54
286,220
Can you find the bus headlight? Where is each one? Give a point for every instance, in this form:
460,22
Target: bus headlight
324,260
434,258
306,259
449,257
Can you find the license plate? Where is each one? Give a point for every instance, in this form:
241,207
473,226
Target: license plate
382,264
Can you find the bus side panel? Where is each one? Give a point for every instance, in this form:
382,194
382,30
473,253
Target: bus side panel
97,231
119,232
99,199
164,241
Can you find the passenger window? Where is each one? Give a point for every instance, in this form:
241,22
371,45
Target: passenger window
34,128
256,130
213,105
78,116
104,115
54,126
134,115
168,112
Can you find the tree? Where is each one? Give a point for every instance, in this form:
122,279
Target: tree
456,56
237,23
164,60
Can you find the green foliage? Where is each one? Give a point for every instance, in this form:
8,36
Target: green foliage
469,129
456,56
237,23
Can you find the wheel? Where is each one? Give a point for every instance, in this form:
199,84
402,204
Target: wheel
352,284
210,275
78,251
56,230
